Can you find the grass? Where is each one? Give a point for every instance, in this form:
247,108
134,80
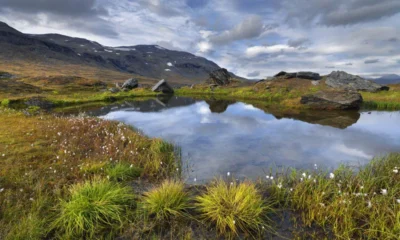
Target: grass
352,204
95,208
123,172
233,207
167,201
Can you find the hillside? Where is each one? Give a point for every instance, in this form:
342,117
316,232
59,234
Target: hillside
46,54
388,79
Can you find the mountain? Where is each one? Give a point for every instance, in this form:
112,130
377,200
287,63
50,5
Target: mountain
388,79
55,50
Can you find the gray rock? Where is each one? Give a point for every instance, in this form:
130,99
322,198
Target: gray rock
162,86
4,75
219,77
130,84
343,80
302,75
308,75
333,100
114,90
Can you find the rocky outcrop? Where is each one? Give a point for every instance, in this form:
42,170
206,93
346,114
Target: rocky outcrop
343,80
162,86
130,84
4,75
333,100
219,77
300,75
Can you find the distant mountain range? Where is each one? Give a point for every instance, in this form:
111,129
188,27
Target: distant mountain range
149,61
387,79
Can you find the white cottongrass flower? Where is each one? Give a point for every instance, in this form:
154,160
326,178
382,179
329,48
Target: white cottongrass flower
384,191
272,178
234,222
1,190
280,185
322,204
398,201
396,170
195,179
131,166
304,174
3,155
369,204
228,174
301,179
267,177
331,175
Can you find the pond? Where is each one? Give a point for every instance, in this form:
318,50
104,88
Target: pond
219,136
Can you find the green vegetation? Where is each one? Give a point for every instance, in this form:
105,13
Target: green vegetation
5,102
123,171
167,201
95,208
233,207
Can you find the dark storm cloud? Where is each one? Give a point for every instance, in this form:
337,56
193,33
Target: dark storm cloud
339,12
254,74
393,39
70,7
371,61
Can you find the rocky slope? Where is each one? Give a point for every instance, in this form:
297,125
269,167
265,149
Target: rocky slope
142,60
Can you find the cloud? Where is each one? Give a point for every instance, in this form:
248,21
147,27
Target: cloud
393,39
274,49
161,7
298,42
197,3
254,74
330,67
68,8
339,12
371,61
251,27
81,15
349,64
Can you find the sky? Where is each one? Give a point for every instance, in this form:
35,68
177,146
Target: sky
252,38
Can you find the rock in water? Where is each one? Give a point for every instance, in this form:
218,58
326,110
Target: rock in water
162,86
343,80
130,84
219,77
333,100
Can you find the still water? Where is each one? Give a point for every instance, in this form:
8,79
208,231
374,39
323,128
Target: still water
217,136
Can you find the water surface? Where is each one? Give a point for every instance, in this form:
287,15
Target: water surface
217,137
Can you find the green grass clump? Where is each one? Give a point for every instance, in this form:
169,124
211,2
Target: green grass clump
30,227
233,208
94,209
166,201
5,102
123,172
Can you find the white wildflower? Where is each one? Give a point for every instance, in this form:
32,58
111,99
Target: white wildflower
369,204
304,174
396,170
272,178
195,179
331,175
228,174
384,191
1,190
398,201
280,185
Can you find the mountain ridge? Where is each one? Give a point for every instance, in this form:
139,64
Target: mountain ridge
151,61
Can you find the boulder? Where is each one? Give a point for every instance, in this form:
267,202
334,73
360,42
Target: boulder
130,84
219,77
4,75
219,106
308,75
302,75
162,86
343,80
333,100
114,90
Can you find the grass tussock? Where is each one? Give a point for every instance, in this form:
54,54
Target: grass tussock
233,208
94,209
123,172
167,201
